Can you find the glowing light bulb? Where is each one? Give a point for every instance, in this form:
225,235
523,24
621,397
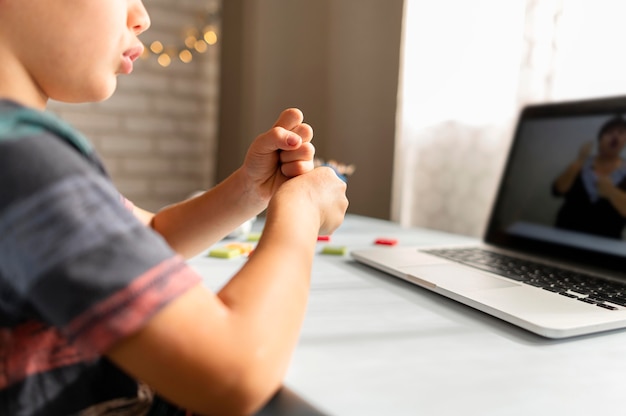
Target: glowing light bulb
164,60
156,47
185,56
210,37
190,41
201,46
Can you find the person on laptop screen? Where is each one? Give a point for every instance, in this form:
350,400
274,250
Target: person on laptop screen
594,186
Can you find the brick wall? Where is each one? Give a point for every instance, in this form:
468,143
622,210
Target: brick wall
157,135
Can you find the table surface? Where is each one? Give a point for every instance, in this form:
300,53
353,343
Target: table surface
372,344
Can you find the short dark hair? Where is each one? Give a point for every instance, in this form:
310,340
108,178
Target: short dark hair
611,124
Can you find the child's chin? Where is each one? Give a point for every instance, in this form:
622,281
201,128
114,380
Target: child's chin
93,96
99,96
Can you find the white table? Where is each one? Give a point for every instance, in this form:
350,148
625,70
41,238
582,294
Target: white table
372,344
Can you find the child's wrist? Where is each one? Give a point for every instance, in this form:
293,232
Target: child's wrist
252,193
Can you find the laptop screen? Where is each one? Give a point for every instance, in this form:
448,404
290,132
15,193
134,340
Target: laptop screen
563,192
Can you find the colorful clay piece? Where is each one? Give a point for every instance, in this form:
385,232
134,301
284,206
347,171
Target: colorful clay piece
244,248
386,241
225,253
334,250
254,237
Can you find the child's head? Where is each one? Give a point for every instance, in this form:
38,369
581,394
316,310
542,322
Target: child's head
67,50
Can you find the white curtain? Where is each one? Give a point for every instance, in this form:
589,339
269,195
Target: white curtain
467,69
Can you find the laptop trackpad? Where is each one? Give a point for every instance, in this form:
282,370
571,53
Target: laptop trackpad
455,277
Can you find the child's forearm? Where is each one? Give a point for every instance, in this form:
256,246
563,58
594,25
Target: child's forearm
237,344
270,292
192,225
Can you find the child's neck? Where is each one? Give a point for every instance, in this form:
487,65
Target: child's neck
17,84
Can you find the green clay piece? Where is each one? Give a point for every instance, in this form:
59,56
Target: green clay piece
225,253
254,237
335,250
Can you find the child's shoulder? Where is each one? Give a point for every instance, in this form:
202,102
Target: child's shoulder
18,122
38,150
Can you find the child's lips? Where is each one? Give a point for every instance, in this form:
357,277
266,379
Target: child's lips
134,53
126,67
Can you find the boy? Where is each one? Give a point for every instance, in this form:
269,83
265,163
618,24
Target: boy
99,314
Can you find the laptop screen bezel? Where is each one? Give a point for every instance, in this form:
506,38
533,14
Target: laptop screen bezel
494,233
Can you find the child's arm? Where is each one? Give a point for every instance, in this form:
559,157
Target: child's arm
228,353
281,153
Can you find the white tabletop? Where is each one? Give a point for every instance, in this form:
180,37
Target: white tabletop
372,344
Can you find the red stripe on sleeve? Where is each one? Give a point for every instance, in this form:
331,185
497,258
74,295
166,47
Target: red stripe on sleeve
130,308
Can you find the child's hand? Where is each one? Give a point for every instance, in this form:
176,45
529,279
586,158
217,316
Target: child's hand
281,153
321,192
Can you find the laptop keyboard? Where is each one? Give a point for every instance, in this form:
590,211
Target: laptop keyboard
580,286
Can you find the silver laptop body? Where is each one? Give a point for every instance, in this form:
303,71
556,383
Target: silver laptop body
571,231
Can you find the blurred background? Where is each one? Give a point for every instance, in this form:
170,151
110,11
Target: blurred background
420,96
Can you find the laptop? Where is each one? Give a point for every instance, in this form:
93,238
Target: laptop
553,256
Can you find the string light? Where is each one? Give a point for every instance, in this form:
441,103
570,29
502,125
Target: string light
185,56
156,47
164,60
210,37
195,40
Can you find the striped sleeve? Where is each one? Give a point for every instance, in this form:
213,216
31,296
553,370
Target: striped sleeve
72,255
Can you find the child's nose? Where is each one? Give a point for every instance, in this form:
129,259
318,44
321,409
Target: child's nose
138,17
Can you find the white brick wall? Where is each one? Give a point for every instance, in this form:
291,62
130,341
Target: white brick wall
157,134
